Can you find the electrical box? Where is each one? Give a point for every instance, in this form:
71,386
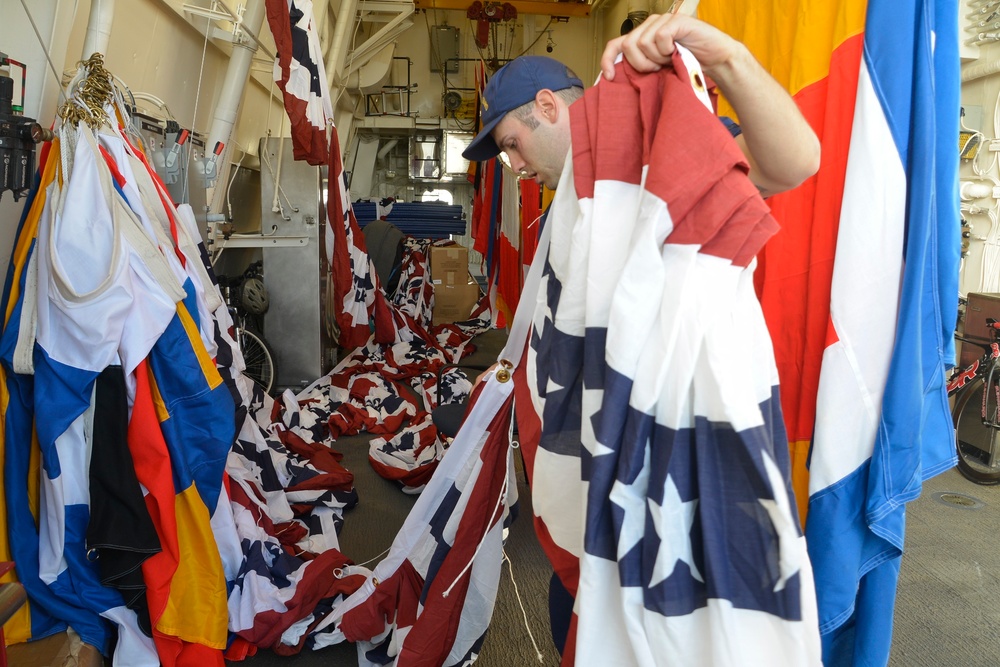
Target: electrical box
444,48
294,267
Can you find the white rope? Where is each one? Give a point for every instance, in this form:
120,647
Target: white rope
270,105
45,50
229,205
500,498
277,208
524,613
374,558
197,96
275,203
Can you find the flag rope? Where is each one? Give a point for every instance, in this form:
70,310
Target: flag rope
520,603
482,540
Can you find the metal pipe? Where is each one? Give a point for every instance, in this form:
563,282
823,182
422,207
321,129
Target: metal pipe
980,69
231,95
320,11
385,149
338,52
102,13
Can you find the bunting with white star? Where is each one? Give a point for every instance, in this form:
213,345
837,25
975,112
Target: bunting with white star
648,402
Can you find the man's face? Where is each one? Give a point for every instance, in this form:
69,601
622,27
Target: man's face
535,149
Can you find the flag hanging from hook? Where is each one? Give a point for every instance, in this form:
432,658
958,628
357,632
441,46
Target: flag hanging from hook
299,72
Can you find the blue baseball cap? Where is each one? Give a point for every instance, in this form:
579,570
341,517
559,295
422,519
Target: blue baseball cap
514,84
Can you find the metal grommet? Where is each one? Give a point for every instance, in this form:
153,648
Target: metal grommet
503,373
93,555
697,81
375,581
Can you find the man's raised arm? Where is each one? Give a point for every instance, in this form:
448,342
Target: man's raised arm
780,146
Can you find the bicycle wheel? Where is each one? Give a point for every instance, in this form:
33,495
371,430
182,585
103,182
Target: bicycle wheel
978,444
259,359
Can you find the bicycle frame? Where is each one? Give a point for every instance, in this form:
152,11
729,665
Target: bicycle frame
991,361
960,378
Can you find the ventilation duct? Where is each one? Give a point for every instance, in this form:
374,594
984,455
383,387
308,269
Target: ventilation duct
632,21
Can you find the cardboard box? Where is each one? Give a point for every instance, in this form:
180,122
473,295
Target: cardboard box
58,649
449,265
981,306
454,303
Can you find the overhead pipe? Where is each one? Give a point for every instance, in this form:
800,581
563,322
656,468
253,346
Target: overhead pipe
102,14
323,14
320,11
338,51
385,35
385,149
231,96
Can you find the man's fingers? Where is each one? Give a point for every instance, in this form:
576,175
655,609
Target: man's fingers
648,47
655,38
611,52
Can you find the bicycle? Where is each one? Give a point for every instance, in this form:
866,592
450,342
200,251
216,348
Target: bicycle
977,422
246,299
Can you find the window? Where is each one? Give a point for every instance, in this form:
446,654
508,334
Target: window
443,196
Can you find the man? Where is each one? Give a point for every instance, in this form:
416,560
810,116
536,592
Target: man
526,104
526,115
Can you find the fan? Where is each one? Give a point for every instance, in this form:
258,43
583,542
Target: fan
452,101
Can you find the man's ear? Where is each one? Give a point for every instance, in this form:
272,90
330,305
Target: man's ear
547,103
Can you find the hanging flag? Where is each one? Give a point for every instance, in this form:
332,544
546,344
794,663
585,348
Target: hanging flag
860,289
430,600
507,256
815,54
654,443
299,73
531,217
359,304
43,614
120,305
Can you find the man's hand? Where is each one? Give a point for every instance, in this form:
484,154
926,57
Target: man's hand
484,375
650,45
780,146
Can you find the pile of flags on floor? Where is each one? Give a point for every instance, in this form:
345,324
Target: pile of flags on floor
221,536
157,502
